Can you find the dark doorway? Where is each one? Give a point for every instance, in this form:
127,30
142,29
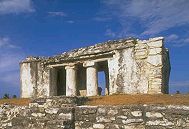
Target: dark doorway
81,80
57,81
61,81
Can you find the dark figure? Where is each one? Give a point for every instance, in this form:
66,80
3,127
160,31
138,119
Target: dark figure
99,91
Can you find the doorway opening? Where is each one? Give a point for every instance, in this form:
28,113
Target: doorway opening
57,81
103,78
81,80
61,81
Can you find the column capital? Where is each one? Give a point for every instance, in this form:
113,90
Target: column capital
89,64
73,66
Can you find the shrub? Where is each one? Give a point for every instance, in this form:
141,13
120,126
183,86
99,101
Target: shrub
6,96
14,96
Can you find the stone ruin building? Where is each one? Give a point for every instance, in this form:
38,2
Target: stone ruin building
131,66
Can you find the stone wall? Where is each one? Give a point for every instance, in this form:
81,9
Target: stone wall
132,117
43,113
65,113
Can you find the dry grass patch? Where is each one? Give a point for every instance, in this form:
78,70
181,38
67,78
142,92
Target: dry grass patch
20,102
139,99
120,100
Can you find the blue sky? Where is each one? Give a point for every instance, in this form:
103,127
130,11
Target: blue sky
50,27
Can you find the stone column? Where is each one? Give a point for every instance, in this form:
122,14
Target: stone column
92,76
107,82
53,82
71,80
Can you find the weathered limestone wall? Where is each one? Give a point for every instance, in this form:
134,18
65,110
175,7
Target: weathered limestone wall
143,68
63,113
34,80
28,79
124,73
154,65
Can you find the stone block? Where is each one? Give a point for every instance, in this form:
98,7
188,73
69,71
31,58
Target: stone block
155,51
154,114
131,121
112,112
103,119
153,44
122,117
101,111
65,116
38,114
163,122
98,126
136,113
155,60
52,110
134,127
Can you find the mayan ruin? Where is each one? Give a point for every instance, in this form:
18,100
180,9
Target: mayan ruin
131,66
94,64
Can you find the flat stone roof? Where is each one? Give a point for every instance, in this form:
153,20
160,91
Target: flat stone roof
99,48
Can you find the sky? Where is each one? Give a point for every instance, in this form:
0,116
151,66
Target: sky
50,27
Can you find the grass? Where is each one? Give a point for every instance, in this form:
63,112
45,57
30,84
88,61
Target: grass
177,99
19,101
140,99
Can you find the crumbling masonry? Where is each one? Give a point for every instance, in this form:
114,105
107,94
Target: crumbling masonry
131,67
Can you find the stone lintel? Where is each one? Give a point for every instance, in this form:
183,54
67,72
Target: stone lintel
89,64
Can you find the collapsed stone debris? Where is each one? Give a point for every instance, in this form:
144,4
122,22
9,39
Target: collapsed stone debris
131,66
